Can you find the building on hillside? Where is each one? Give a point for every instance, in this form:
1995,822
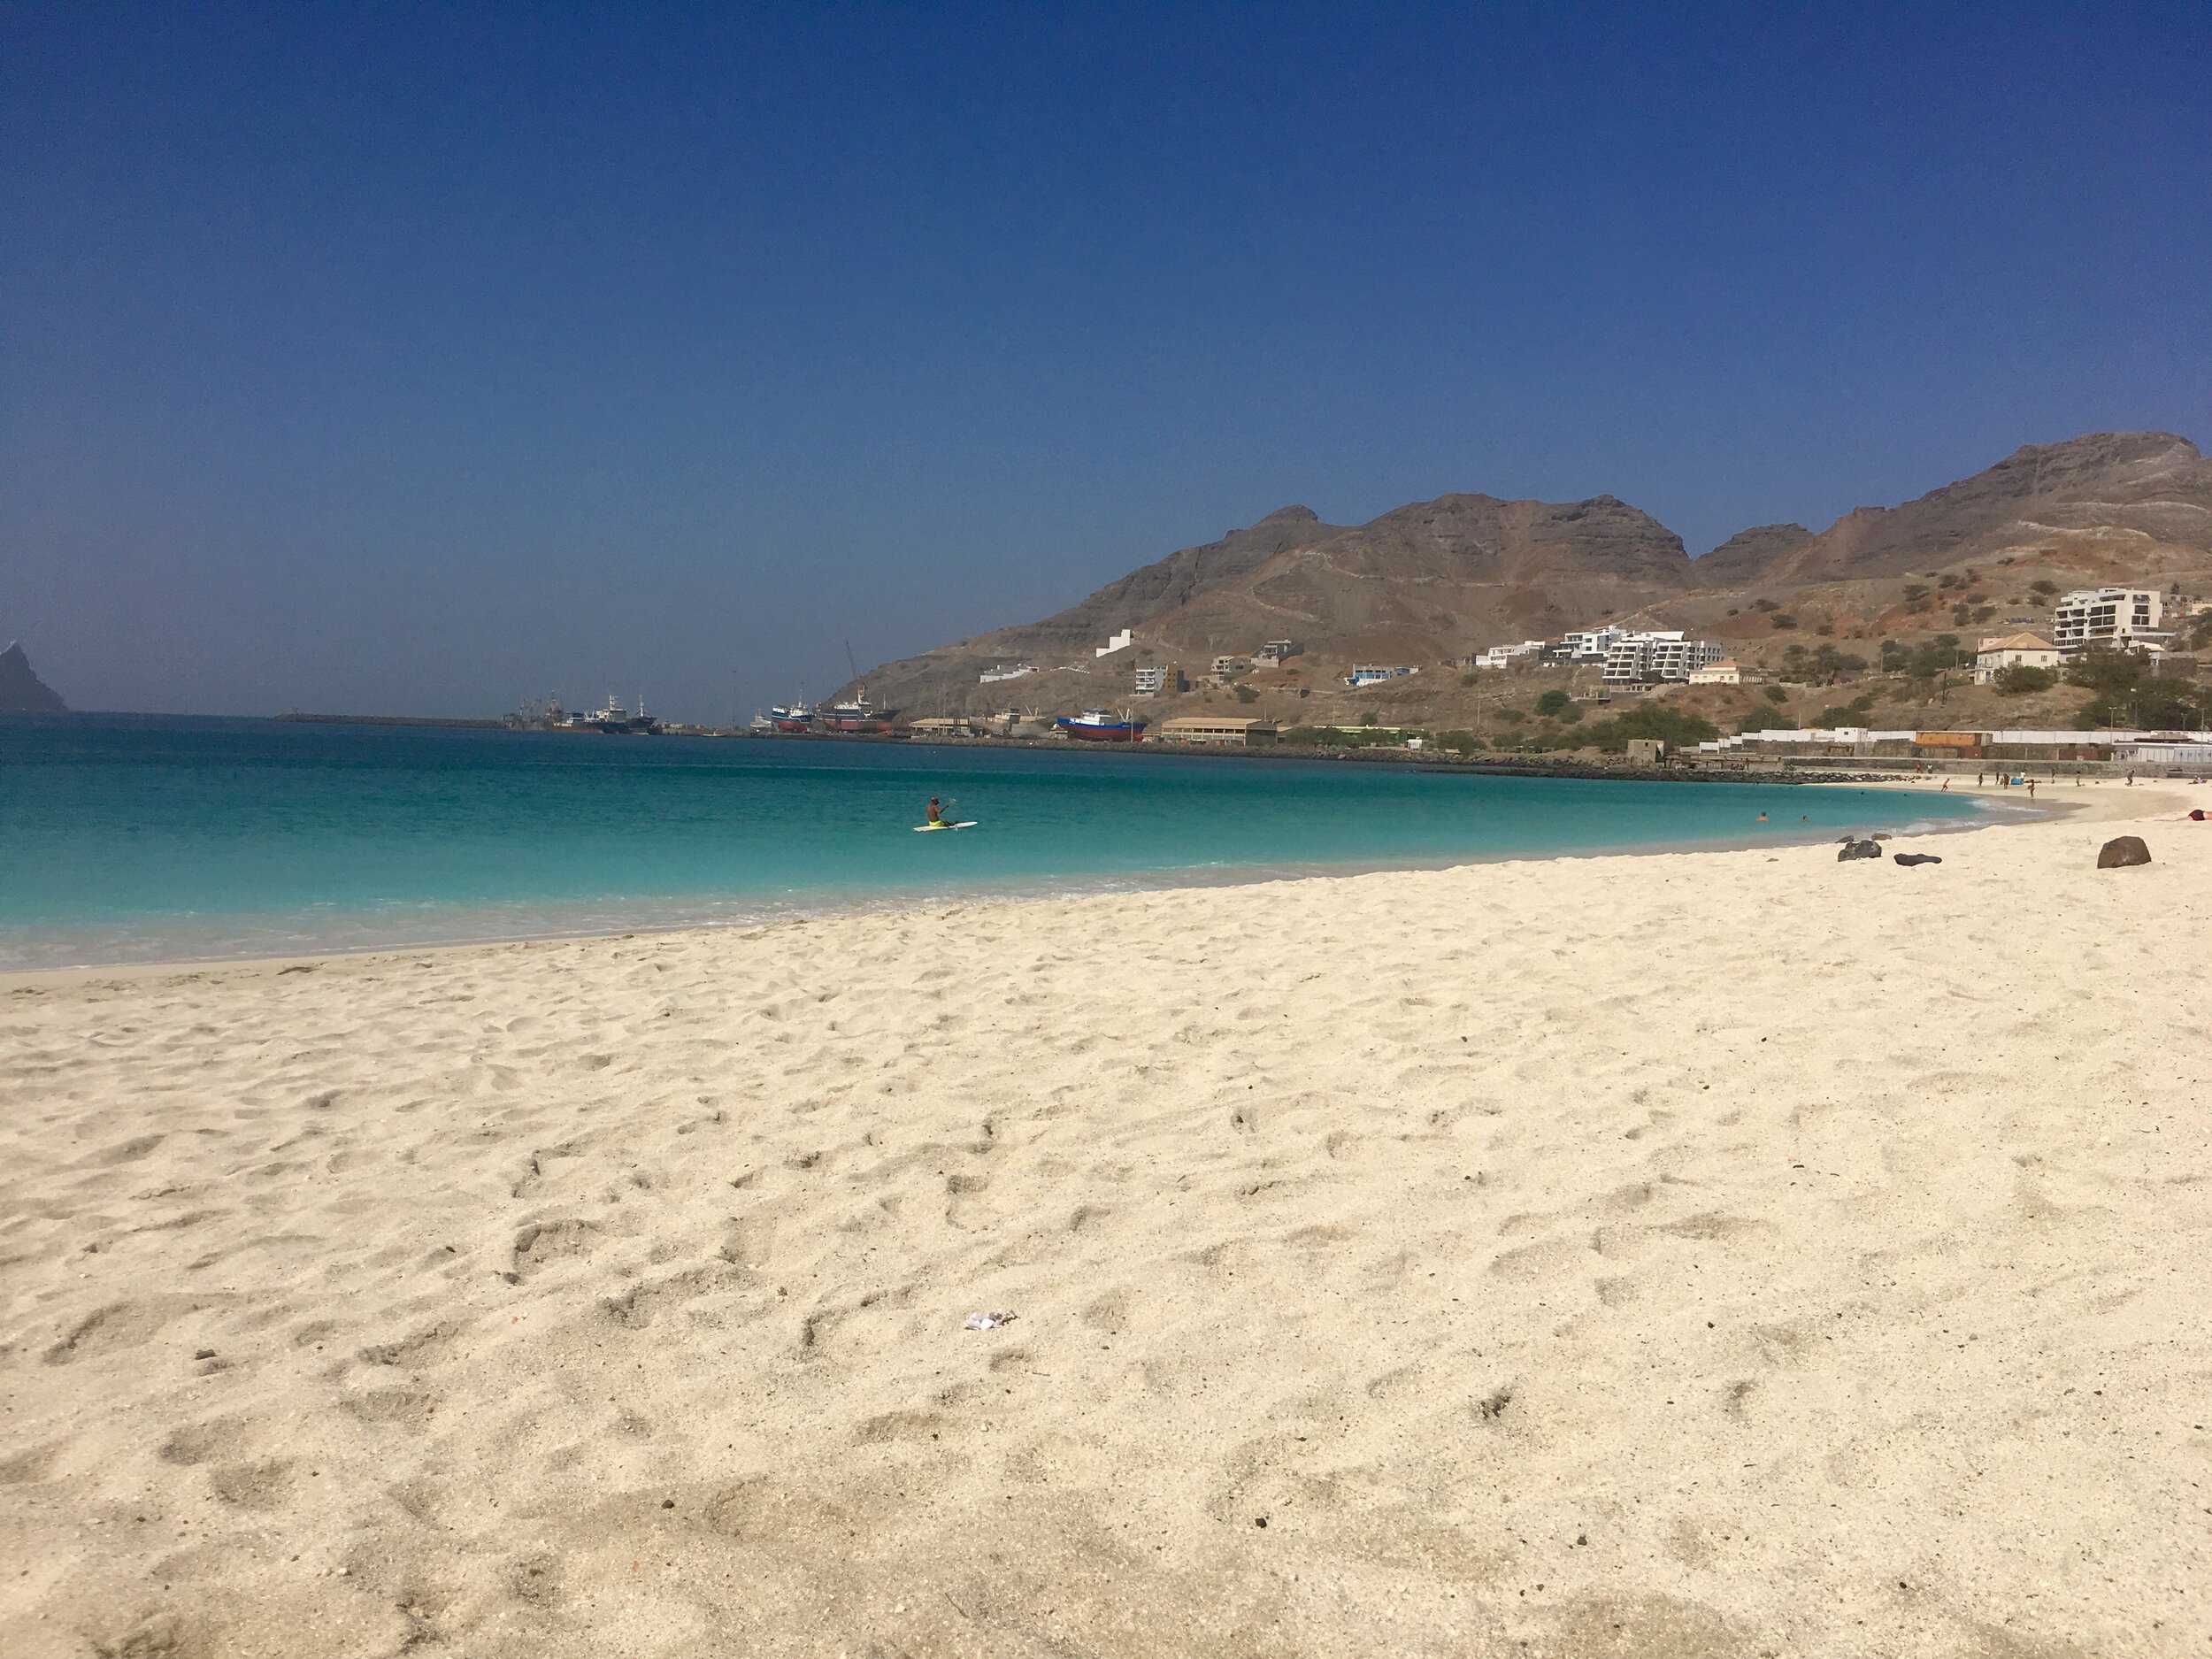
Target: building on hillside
1114,643
1999,651
1156,682
1725,671
1587,645
1229,667
2126,618
1657,658
1505,655
997,672
1372,675
1275,653
1218,732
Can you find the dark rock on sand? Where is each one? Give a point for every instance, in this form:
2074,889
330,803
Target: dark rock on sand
2121,851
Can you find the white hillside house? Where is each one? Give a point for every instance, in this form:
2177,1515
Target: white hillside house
1593,645
1505,655
1725,671
1999,651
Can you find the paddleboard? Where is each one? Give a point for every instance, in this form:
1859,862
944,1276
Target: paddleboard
924,829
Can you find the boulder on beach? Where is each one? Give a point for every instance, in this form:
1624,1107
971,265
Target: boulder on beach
2121,851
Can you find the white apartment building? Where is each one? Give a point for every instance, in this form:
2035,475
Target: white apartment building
1639,659
2122,617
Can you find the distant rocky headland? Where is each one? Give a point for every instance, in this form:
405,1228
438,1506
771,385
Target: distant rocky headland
22,691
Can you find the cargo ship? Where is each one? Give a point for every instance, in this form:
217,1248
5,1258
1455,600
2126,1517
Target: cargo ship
1099,725
611,717
793,719
857,716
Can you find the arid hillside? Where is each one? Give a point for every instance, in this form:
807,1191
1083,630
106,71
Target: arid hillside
1428,584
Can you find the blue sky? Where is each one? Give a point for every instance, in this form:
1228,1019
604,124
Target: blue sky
416,360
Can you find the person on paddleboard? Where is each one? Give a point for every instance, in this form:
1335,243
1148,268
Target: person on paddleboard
936,812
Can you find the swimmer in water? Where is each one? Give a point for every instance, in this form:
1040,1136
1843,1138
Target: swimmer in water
1763,818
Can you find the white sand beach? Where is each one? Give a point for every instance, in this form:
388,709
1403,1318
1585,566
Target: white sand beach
1717,1254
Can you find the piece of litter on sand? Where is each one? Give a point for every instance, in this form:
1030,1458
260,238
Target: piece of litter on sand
986,1321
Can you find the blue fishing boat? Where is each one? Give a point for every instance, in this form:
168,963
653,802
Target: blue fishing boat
1101,725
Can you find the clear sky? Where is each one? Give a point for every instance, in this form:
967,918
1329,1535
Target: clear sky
417,359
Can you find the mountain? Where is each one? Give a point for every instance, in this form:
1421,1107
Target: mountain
1427,583
21,691
2126,503
1749,554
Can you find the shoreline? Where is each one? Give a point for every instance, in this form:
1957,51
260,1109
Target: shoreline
1103,885
2098,811
1684,767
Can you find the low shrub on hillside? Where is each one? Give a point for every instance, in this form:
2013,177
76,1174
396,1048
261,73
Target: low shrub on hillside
2016,678
1822,664
2131,693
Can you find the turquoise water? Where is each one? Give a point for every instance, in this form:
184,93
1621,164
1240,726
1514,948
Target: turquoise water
131,839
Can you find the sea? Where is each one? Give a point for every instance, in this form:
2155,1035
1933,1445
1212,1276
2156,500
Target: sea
141,839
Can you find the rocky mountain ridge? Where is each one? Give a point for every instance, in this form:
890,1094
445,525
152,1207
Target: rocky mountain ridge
1432,581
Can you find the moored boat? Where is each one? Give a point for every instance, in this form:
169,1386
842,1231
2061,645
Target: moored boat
1101,725
613,718
858,715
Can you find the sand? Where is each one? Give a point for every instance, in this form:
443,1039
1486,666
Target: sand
1712,1253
